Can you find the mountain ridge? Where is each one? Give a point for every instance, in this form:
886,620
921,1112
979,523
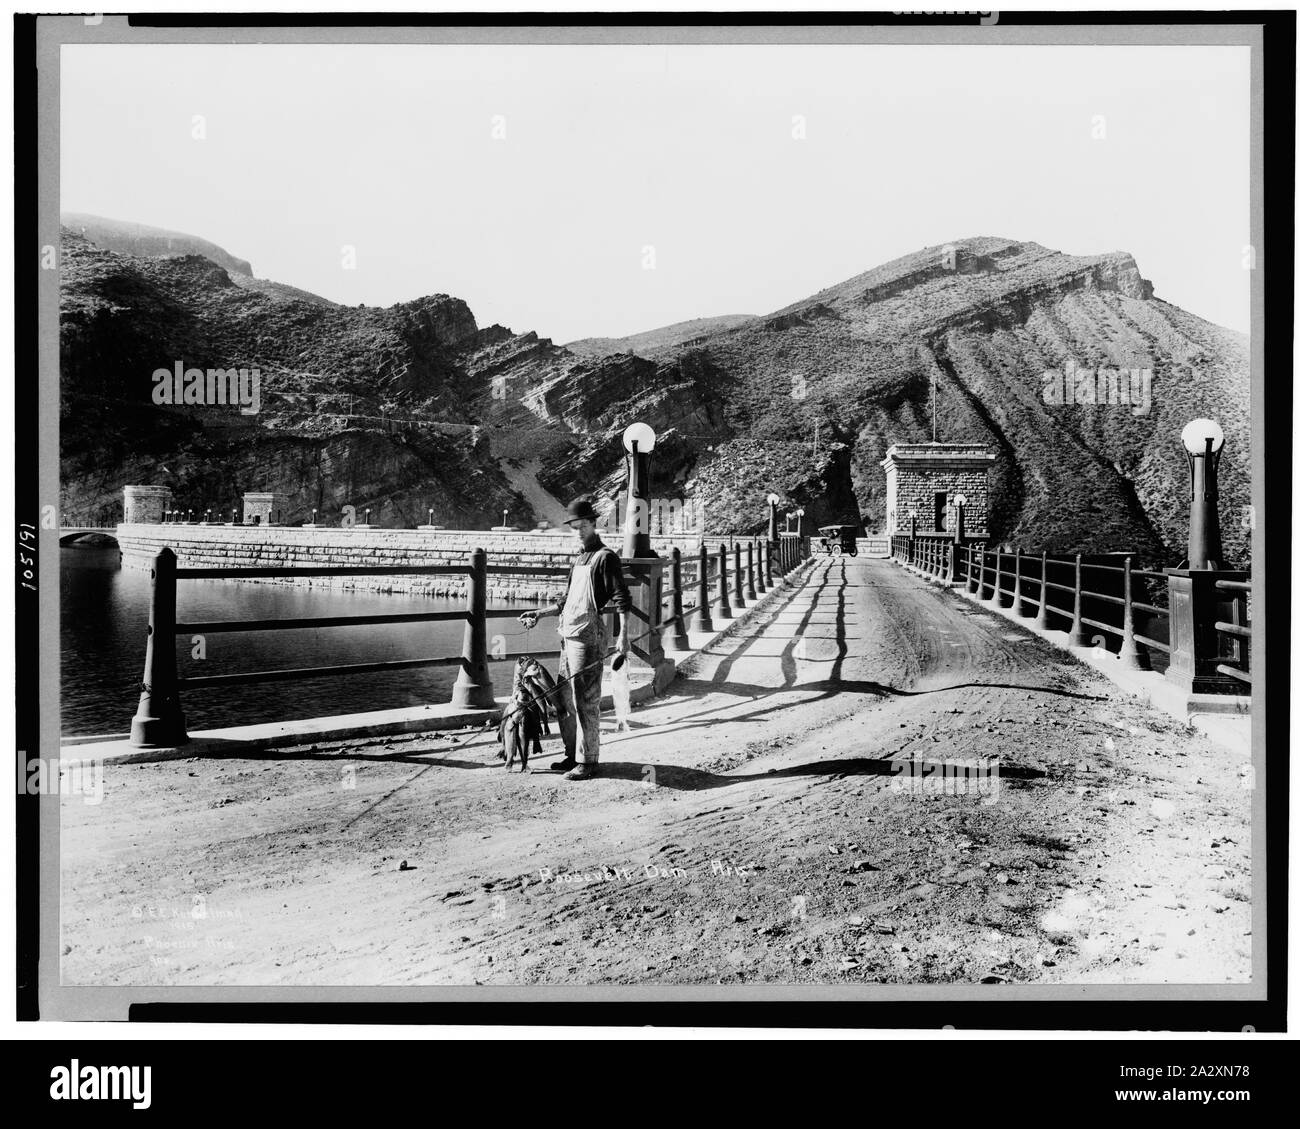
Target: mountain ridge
415,404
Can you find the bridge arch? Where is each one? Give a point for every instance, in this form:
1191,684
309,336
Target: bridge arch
99,537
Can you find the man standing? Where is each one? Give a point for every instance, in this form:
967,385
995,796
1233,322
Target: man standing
595,584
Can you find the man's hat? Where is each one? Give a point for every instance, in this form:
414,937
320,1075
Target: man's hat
581,510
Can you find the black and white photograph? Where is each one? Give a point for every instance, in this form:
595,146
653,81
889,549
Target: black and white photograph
670,507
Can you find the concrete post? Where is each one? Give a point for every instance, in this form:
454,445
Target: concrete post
1040,620
740,593
751,593
648,599
677,639
158,720
473,688
1131,656
1077,637
765,548
704,614
756,547
1197,648
958,538
724,601
1017,605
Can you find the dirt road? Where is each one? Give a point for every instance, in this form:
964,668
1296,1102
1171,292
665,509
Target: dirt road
777,818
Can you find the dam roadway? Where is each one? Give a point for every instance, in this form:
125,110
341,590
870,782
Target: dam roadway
777,817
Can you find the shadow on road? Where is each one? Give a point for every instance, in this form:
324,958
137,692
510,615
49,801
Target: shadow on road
694,779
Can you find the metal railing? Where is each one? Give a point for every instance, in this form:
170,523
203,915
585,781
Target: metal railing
1237,630
729,577
1026,584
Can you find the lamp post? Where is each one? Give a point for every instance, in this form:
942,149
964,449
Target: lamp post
1196,647
772,500
799,522
645,576
638,441
1203,442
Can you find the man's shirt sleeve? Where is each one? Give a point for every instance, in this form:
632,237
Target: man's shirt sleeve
613,588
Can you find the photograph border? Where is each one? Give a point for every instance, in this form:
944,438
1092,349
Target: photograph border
1260,1004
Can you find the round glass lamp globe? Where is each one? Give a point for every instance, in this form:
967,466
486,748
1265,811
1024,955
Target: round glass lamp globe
772,499
642,434
1198,431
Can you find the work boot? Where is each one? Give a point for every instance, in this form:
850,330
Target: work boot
582,772
564,765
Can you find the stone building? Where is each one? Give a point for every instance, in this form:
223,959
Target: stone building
924,478
145,505
264,508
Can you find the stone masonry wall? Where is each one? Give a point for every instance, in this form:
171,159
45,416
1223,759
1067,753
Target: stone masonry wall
916,490
227,546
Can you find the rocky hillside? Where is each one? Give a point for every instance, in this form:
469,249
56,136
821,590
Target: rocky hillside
416,406
141,239
655,341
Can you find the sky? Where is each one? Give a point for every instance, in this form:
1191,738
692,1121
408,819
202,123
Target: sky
605,190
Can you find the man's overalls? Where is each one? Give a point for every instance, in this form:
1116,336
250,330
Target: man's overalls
583,642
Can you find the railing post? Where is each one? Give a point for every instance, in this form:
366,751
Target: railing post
984,575
158,720
1040,620
1017,608
677,639
756,550
972,577
724,599
473,688
767,561
704,614
740,593
652,593
1131,656
751,593
1077,637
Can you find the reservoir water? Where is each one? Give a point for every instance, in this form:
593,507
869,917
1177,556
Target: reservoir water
104,613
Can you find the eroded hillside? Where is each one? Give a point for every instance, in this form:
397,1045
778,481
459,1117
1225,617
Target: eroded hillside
415,406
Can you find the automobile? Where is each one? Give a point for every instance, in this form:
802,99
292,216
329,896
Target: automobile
837,539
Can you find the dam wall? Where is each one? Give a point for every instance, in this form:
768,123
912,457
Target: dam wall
247,546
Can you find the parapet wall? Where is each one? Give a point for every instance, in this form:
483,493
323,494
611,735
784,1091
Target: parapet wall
242,546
